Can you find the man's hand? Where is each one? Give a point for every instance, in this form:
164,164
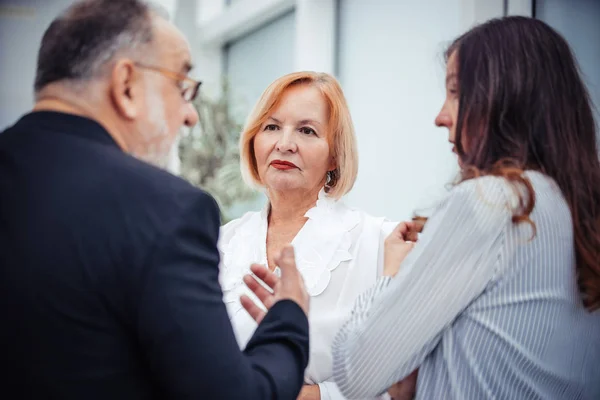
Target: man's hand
406,388
397,245
290,286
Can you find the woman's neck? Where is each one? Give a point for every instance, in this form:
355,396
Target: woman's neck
289,208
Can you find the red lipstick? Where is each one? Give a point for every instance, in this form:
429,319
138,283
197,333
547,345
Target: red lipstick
283,165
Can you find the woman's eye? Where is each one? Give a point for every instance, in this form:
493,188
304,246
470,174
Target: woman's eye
308,131
271,127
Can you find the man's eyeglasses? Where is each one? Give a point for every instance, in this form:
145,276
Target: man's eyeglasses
189,87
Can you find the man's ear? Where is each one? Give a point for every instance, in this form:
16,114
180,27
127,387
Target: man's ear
126,89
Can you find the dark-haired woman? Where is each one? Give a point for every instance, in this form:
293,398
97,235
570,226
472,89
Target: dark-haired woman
499,298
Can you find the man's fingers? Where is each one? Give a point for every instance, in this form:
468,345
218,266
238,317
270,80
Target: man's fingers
286,261
255,311
265,275
259,290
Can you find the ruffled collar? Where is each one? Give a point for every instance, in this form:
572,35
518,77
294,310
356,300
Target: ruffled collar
321,245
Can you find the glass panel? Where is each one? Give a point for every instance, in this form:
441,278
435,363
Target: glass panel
252,63
579,22
392,70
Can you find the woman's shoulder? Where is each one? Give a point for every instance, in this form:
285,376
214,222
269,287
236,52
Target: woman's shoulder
369,224
486,184
331,215
228,230
335,235
497,192
484,194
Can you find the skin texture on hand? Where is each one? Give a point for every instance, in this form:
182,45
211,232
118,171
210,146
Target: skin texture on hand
310,392
397,247
267,298
290,286
406,388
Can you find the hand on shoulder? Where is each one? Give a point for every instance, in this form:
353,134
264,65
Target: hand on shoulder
399,243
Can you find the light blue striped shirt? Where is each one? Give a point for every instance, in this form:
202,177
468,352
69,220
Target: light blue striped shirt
483,311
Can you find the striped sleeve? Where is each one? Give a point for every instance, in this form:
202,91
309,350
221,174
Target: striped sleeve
363,303
399,321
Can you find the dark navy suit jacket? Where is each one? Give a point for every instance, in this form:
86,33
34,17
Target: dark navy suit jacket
109,279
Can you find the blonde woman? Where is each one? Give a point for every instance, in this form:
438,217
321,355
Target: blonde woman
299,145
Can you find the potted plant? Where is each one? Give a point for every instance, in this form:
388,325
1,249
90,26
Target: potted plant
210,155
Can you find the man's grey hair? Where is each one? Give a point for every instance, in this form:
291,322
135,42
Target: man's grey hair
81,41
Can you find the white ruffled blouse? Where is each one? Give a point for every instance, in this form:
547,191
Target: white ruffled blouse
339,252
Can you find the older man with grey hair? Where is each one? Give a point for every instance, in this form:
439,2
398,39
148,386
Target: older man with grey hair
108,264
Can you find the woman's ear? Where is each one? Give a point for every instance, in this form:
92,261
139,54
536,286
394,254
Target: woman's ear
332,164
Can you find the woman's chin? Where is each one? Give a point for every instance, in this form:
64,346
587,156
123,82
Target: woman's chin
283,187
283,183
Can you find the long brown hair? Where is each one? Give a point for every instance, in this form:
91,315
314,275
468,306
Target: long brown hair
523,106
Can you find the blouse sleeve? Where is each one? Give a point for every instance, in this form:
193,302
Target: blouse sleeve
330,391
396,323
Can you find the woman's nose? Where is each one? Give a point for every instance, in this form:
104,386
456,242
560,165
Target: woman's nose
443,120
286,142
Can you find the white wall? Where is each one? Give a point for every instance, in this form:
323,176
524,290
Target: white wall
255,60
208,61
207,58
252,62
315,35
22,24
392,70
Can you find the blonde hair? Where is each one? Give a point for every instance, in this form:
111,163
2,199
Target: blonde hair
341,137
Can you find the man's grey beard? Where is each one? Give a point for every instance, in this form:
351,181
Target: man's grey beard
173,162
168,160
157,152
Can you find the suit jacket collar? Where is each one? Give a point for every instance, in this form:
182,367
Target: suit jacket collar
72,124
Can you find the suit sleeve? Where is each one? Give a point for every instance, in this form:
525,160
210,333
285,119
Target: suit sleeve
184,329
